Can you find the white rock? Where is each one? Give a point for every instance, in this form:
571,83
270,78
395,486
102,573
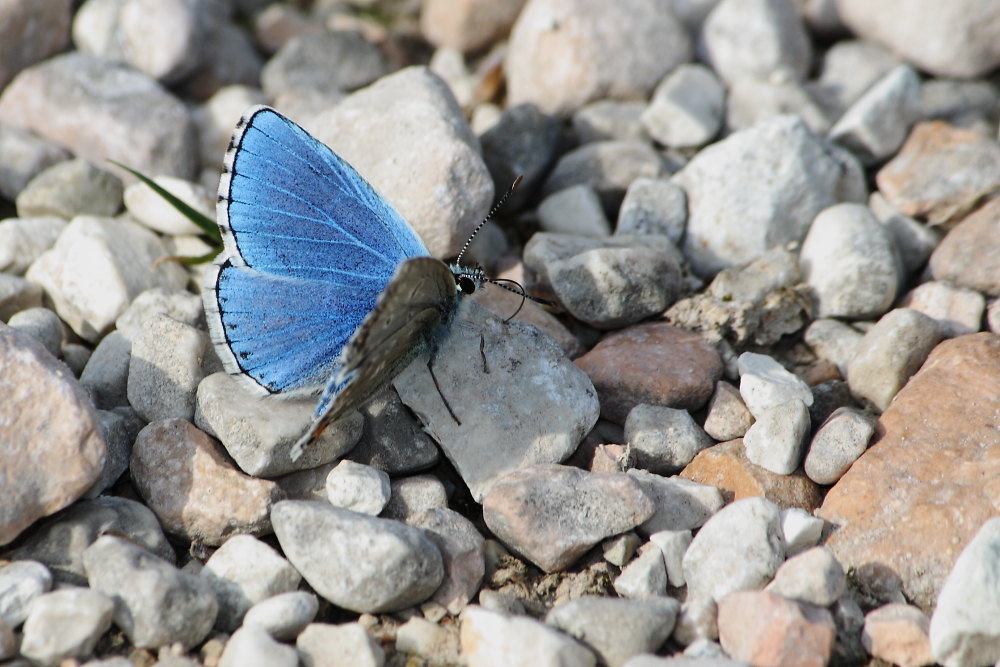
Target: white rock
21,582
65,624
285,615
23,240
680,503
957,310
672,544
575,210
325,645
358,487
645,576
686,108
813,576
800,529
776,439
155,212
653,206
253,647
833,341
838,443
489,638
764,383
165,369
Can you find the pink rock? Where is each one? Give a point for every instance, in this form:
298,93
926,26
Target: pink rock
767,630
898,633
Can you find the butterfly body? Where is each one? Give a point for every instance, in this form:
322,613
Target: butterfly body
321,286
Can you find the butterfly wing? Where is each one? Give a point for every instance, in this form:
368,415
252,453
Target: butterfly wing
419,299
309,246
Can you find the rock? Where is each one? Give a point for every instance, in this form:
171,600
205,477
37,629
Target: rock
969,255
733,31
357,487
156,213
850,67
553,514
575,210
813,576
101,110
392,439
23,240
968,103
776,439
44,406
887,532
177,304
325,645
964,630
21,583
763,628
618,53
766,182
97,266
901,27
413,495
726,467
939,170
645,577
155,603
651,363
614,629
24,156
285,615
680,503
462,551
728,416
898,633
752,100
105,376
467,26
610,120
165,368
41,324
766,384
890,352
850,620
619,550
957,311
607,166
59,542
428,641
356,561
849,260
529,404
427,134
252,646
259,432
800,529
672,545
522,142
65,624
914,241
8,642
185,479
68,189
653,206
663,440
328,62
243,572
833,341
686,108
486,634
31,32
696,623
738,549
838,443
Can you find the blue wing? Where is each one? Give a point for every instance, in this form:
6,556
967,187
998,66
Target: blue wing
309,246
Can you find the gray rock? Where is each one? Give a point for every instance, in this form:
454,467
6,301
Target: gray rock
728,417
392,439
645,576
65,624
607,166
30,32
523,141
672,545
890,352
243,572
553,514
414,495
41,324
285,615
165,369
155,603
155,212
17,294
764,383
614,629
118,434
776,439
445,189
23,240
759,188
106,374
521,640
327,62
96,268
71,188
965,103
325,645
813,576
686,108
849,68
462,551
467,26
59,542
355,561
739,548
696,624
575,210
101,110
610,120
915,241
957,310
732,34
965,625
800,529
21,583
24,156
521,408
875,126
833,341
358,487
838,443
663,440
751,100
253,647
619,549
618,52
653,206
179,305
680,503
260,431
8,642
76,357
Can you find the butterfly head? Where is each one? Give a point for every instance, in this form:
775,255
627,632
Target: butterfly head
467,279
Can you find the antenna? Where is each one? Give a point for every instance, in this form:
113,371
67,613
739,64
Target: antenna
503,200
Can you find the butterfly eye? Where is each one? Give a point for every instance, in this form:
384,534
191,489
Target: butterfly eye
466,285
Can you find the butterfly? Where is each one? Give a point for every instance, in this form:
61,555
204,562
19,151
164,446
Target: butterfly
321,285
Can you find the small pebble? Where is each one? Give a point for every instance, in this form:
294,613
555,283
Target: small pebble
764,383
575,210
283,616
413,495
776,439
653,206
838,443
898,633
958,311
462,551
800,529
728,417
21,583
680,503
43,325
759,627
663,440
686,108
645,576
252,646
326,645
520,639
358,487
813,576
673,544
65,624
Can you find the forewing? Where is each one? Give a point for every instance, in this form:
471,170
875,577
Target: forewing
420,297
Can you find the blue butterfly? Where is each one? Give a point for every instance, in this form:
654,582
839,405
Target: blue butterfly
321,284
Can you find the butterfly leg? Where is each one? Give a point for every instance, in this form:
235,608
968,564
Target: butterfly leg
430,368
482,353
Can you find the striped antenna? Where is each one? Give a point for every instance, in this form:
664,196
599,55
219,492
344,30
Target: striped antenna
517,182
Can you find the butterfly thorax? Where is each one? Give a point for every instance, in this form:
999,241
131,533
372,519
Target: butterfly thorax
467,278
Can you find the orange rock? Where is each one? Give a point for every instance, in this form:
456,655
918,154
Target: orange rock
767,630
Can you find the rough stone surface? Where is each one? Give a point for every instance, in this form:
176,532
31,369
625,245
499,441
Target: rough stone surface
765,629
898,633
